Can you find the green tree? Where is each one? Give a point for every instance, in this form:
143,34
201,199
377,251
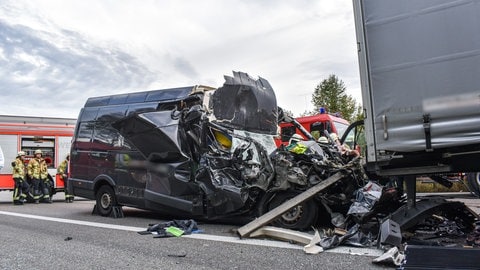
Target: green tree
331,95
360,114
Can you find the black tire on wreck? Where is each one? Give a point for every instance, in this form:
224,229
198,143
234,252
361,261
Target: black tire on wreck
473,182
106,200
300,217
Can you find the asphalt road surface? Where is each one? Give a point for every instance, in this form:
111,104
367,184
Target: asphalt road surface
62,236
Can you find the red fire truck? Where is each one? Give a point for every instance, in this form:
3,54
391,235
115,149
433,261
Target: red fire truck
313,123
25,133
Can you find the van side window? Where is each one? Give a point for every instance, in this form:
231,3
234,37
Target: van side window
103,131
85,131
104,134
88,114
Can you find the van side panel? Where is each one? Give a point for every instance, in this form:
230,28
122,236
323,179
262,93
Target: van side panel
101,155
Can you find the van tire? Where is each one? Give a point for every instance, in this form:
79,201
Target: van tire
106,200
300,217
473,182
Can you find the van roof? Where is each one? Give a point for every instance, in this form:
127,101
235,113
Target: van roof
171,94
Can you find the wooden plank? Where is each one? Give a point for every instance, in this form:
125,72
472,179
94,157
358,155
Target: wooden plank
283,234
284,207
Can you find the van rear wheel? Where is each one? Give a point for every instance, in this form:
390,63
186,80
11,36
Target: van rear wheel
106,200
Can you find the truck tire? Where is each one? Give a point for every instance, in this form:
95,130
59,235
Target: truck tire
473,182
300,217
106,200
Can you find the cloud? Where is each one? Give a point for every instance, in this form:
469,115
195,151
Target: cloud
60,52
52,72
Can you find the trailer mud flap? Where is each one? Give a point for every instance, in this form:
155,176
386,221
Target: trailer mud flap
408,217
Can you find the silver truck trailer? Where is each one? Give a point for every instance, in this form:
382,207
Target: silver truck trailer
420,78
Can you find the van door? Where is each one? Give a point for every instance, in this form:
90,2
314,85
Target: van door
157,136
80,153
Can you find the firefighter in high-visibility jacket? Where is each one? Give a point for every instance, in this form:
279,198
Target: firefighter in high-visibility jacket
22,188
45,183
37,171
62,170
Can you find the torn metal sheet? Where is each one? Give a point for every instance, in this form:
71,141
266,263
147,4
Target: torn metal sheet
155,134
245,103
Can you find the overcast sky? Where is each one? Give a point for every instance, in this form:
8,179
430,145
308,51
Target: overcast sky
54,54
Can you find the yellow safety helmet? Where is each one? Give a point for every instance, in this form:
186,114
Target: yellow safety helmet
334,136
295,138
38,151
20,153
323,139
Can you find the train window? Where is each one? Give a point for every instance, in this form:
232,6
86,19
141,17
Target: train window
47,144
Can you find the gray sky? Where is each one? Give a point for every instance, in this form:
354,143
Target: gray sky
54,54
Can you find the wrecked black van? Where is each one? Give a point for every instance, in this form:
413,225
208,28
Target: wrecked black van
198,152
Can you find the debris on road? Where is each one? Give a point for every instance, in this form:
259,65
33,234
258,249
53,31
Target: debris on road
175,228
380,217
392,256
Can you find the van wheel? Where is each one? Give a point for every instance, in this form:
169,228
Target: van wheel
473,182
105,200
300,217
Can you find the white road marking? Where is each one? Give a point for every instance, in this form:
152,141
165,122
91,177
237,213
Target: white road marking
209,237
77,222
